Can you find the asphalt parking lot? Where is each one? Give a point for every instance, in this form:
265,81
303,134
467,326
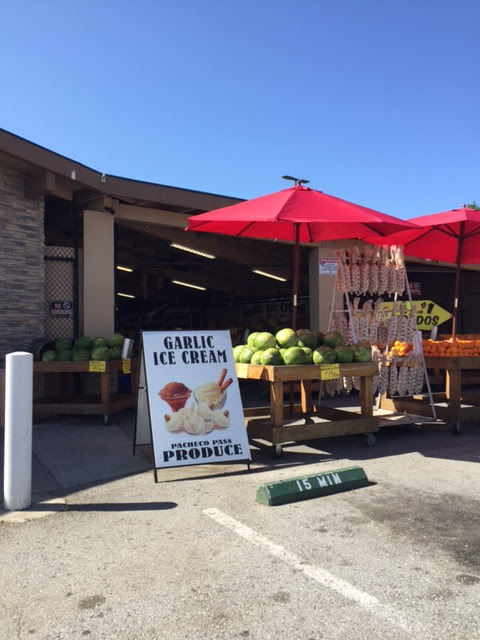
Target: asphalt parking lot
196,556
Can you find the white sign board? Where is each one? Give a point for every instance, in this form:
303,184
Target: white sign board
195,407
327,266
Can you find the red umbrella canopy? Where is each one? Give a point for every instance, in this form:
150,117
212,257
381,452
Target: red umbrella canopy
316,215
452,236
298,214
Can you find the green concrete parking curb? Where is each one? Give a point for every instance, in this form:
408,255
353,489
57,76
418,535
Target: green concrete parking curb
314,486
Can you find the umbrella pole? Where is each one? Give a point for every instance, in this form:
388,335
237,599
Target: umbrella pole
456,293
296,251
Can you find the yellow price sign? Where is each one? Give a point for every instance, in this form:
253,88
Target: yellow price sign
329,371
428,313
126,365
97,366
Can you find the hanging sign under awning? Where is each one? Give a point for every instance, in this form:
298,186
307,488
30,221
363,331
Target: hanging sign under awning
428,313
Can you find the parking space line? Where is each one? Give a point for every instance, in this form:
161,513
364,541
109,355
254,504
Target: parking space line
323,577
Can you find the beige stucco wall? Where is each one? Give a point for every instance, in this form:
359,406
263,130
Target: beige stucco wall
98,317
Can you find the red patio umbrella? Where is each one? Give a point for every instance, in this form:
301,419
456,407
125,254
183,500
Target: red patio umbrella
452,236
299,215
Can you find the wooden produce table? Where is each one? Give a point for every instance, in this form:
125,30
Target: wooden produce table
280,423
71,401
453,405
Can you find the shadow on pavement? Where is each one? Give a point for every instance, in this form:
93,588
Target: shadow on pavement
71,452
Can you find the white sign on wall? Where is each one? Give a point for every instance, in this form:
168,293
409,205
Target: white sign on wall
193,397
327,266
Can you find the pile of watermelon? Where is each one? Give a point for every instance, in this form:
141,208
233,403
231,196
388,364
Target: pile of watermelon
289,347
84,348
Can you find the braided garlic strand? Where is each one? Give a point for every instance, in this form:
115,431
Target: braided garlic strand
400,271
374,287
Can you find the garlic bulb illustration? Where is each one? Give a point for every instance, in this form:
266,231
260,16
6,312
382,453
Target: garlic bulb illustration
209,426
221,419
174,422
206,410
192,421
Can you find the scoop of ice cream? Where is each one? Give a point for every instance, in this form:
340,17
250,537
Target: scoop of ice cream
174,390
211,394
175,394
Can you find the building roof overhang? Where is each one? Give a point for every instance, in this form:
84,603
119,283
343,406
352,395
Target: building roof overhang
48,172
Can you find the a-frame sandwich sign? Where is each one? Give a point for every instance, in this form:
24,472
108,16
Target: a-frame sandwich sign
189,405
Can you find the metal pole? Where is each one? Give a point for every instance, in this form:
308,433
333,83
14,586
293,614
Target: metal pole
296,250
18,431
461,235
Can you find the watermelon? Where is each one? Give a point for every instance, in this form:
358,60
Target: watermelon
81,355
83,342
264,340
99,342
116,341
115,353
307,338
333,339
286,338
271,356
324,355
62,344
319,336
237,351
49,356
65,355
246,355
344,353
251,339
256,358
100,353
308,354
361,353
295,355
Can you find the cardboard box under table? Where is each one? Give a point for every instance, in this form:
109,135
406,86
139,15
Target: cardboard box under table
281,423
80,390
453,405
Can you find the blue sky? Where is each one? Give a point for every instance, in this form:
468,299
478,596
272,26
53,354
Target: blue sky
373,101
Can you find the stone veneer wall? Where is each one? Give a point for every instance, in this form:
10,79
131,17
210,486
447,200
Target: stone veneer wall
22,274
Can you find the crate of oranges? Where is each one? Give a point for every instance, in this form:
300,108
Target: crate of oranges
451,348
400,348
459,336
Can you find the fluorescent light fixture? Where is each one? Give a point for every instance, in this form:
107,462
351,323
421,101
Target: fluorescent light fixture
190,250
124,269
125,295
187,284
268,275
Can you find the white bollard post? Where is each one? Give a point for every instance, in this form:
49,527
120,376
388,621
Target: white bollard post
17,485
